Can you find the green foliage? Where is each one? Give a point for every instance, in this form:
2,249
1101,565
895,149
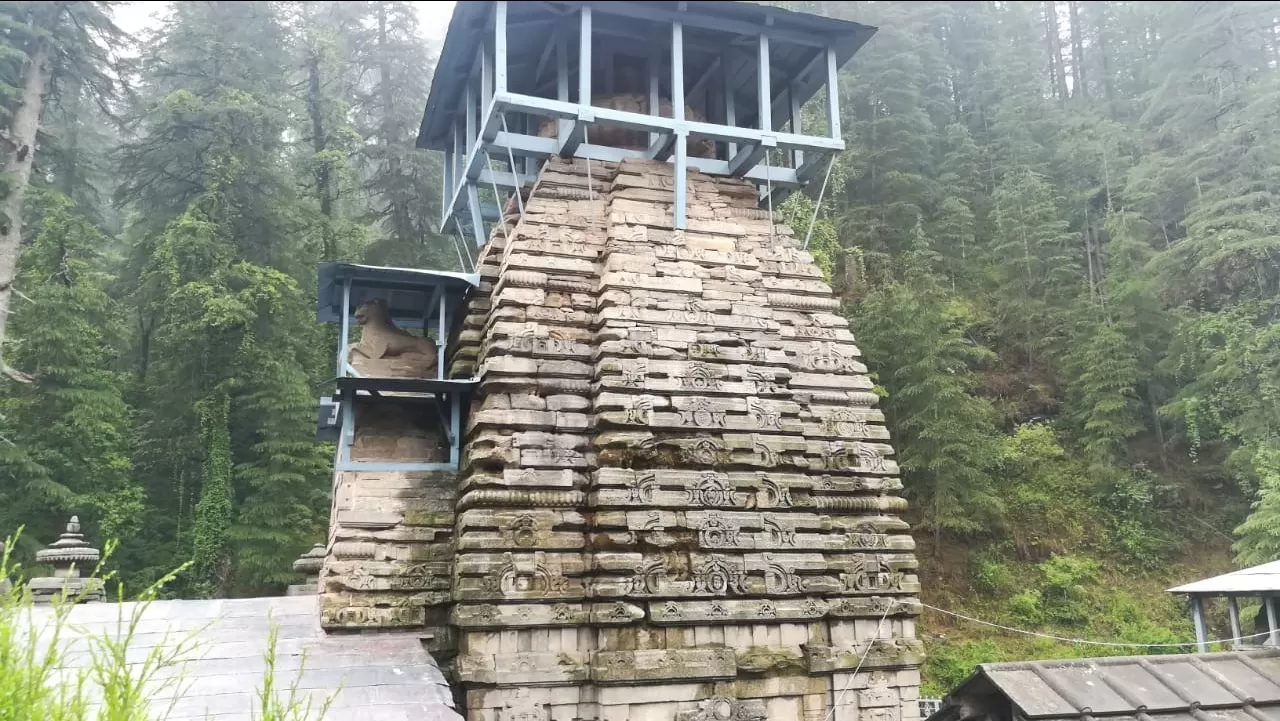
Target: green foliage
917,342
66,436
949,664
123,677
211,552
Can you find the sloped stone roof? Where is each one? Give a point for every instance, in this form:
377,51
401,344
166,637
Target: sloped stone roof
376,677
1237,686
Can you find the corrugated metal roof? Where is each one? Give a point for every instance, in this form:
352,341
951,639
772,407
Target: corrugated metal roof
377,677
1183,687
1257,579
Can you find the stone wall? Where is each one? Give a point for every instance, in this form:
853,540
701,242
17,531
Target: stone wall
390,547
677,500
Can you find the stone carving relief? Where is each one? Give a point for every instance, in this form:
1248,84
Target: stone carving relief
524,578
763,415
650,577
712,489
524,705
719,577
716,533
779,579
704,451
703,414
845,423
524,530
778,535
699,377
725,708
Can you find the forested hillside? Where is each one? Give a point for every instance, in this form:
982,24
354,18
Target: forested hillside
1056,230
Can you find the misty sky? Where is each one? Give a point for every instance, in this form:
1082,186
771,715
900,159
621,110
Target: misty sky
434,17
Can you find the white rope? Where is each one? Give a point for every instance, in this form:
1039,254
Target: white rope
591,192
461,244
861,660
818,205
1112,644
511,159
768,181
497,197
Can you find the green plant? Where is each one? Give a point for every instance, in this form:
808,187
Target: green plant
39,681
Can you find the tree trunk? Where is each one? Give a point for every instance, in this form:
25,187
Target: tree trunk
400,219
17,162
1057,77
319,143
1104,56
1078,88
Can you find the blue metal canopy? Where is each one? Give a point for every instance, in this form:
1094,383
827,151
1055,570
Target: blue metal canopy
407,291
711,27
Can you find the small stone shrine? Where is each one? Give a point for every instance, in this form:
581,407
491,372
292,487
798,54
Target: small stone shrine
645,478
73,561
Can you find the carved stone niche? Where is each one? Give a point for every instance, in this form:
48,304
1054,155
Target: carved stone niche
725,708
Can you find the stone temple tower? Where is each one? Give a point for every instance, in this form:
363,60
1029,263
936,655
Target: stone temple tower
632,466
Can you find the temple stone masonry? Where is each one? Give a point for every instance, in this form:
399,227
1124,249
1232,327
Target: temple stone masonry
390,546
676,499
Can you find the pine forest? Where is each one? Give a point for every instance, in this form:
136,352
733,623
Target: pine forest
1055,230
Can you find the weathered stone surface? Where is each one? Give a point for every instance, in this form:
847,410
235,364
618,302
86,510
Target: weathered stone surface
677,498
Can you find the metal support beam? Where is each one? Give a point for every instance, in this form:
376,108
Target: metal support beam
477,220
344,326
833,96
750,156
1233,610
649,13
562,69
765,111
521,145
1273,619
662,147
701,83
679,209
681,136
500,46
730,112
677,71
584,56
797,156
446,188
1197,617
486,71
637,121
442,336
573,132
655,101
469,110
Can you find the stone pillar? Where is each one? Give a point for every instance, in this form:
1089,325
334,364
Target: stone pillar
308,564
678,500
70,557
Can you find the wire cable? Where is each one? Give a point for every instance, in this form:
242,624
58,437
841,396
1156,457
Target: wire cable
1087,642
861,660
818,205
511,160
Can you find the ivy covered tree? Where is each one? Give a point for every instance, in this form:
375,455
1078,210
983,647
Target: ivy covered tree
64,438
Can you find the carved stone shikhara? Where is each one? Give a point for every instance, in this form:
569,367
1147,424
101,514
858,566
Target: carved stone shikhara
677,499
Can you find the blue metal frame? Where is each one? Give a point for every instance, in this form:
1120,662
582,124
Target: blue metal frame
472,109
443,295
